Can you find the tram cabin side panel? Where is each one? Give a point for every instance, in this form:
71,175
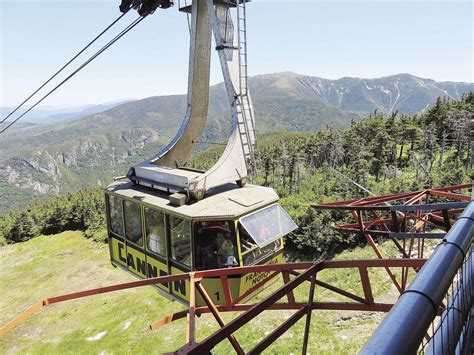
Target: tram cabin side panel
149,242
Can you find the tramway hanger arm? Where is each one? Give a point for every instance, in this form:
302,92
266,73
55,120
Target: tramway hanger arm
167,170
153,231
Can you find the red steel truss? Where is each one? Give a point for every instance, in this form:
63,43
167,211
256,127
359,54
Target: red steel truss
406,218
412,217
292,275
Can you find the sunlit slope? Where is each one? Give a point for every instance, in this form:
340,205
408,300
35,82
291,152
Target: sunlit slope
118,322
49,266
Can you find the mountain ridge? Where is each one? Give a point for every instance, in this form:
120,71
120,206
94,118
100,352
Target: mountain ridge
405,93
54,114
38,160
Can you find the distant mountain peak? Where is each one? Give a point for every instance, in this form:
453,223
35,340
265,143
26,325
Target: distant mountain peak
44,158
405,93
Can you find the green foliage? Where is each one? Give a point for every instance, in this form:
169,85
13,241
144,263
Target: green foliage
315,235
23,228
385,154
84,211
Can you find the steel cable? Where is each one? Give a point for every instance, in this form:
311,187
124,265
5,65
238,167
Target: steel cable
66,65
115,39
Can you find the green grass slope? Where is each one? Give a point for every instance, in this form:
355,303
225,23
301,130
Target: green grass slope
54,265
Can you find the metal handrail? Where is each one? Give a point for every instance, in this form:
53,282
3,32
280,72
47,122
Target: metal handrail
403,329
449,333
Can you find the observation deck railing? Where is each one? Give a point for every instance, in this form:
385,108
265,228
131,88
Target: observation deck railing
444,287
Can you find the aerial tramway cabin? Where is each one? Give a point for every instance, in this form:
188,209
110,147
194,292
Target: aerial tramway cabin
150,237
166,219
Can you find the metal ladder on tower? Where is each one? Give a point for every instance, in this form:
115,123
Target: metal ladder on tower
245,119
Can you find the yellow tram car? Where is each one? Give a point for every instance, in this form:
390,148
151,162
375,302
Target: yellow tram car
150,237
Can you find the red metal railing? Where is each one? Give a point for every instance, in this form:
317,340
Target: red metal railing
390,221
405,219
301,272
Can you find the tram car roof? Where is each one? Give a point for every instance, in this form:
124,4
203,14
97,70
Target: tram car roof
226,201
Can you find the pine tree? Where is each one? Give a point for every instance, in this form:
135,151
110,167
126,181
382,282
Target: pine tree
24,228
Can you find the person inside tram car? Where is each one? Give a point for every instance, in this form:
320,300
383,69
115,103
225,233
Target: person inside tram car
246,240
115,224
180,230
205,257
156,242
214,247
155,231
226,253
134,228
116,215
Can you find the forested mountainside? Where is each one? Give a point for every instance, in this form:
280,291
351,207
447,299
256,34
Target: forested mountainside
38,161
385,153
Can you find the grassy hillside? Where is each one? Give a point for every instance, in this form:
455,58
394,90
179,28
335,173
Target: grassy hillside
67,262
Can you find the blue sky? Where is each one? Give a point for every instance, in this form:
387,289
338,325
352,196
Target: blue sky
432,39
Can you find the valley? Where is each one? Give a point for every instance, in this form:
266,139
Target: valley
38,161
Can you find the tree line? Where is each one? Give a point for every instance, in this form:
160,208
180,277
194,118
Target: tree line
385,153
83,210
435,146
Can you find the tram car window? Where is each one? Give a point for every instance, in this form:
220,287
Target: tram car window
267,225
215,245
155,231
251,252
261,232
133,222
180,240
116,215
